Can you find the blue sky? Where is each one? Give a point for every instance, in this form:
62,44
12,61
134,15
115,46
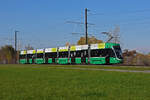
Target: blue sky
42,23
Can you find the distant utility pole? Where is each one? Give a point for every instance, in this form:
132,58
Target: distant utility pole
16,46
86,26
86,30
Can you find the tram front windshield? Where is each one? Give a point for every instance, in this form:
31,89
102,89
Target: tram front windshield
118,52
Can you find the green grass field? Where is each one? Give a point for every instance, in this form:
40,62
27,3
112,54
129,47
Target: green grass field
40,82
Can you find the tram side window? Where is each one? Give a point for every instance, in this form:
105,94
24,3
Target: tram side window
78,53
30,55
84,53
51,55
63,54
95,53
22,56
40,55
102,53
73,54
48,55
111,53
54,54
108,53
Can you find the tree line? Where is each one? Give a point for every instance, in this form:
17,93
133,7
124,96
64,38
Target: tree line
7,54
135,58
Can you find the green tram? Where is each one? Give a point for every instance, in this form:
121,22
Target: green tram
103,53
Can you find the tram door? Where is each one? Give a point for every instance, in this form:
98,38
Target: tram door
54,56
27,60
28,57
53,60
46,60
33,59
50,56
83,56
73,55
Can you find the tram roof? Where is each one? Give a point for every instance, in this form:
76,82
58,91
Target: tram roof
72,48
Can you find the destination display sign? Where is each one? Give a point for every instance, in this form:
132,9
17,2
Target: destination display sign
39,50
50,50
31,51
61,49
23,52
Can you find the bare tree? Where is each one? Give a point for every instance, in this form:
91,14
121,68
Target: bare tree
29,47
